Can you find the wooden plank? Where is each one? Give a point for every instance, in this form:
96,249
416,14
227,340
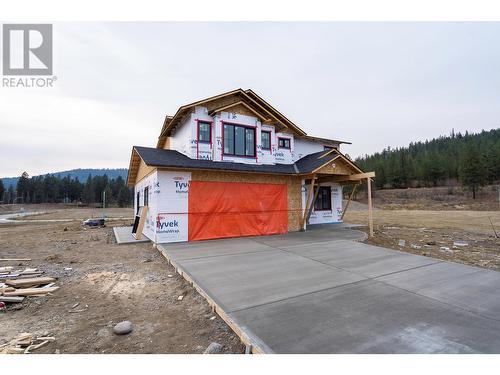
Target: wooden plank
4,289
11,299
312,204
349,201
23,283
15,260
309,197
354,177
142,221
31,291
370,214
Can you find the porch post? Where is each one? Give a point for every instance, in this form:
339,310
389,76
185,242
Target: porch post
370,215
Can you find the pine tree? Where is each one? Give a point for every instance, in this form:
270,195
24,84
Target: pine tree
2,190
473,171
88,191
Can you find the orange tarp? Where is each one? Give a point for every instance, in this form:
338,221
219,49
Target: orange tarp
233,209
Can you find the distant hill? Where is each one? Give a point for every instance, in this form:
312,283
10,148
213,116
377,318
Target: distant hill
82,175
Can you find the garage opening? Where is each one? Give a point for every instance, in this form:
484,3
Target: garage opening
235,209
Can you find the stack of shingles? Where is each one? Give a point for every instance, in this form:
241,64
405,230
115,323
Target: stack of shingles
17,284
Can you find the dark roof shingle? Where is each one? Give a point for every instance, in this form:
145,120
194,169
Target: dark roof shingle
174,159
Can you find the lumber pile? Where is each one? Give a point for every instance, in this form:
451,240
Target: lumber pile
16,284
25,343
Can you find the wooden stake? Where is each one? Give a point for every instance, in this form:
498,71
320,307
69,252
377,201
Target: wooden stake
370,214
493,227
349,201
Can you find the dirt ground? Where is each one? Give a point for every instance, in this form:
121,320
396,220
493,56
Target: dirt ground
448,198
110,283
433,233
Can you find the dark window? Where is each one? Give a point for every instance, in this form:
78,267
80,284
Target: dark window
249,142
229,139
239,140
265,140
138,205
146,196
324,199
284,143
204,132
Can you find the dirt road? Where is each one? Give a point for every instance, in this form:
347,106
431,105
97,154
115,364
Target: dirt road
110,283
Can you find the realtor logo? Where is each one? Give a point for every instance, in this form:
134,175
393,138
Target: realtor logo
27,49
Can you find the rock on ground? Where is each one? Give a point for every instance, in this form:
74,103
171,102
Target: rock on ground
213,348
123,328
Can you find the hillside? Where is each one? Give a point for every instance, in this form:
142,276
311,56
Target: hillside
80,173
469,159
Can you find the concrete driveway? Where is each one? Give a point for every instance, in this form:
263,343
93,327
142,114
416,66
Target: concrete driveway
320,291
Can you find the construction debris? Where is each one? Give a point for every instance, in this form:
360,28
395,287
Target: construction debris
16,284
15,260
25,343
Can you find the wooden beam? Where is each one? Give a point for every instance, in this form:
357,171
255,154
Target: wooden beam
325,164
142,220
370,214
349,201
312,204
308,202
354,177
213,111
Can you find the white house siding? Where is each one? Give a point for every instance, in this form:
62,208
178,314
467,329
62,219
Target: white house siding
150,181
304,147
181,139
323,217
172,206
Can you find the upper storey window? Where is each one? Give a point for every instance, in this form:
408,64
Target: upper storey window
204,132
265,140
239,140
284,143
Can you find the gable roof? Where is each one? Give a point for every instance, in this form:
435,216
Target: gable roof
248,98
161,158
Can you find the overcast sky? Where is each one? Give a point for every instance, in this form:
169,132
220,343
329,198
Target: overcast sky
374,84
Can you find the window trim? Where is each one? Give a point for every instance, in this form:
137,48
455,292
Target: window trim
270,143
198,122
289,142
245,126
330,199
